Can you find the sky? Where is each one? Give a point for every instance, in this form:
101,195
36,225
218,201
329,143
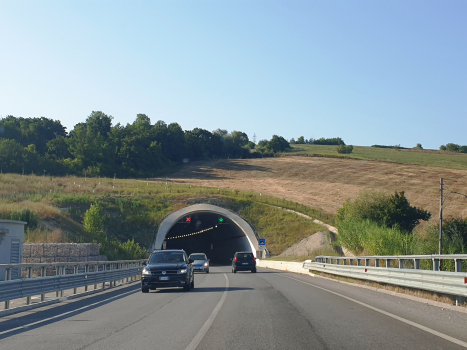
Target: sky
371,72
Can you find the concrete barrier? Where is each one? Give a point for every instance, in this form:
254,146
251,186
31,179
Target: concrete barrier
291,266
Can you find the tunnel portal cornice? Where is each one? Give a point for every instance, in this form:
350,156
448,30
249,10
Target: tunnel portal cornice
171,219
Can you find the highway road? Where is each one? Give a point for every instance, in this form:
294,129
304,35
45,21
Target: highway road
268,310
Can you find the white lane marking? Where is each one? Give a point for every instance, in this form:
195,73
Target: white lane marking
416,325
27,326
202,332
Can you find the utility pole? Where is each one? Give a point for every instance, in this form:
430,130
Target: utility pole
440,250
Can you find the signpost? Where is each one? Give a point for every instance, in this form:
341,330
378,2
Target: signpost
262,243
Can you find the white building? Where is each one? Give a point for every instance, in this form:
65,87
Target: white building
11,245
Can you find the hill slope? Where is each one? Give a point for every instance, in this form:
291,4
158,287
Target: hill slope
326,182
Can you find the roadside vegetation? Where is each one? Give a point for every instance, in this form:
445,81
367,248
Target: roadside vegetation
123,215
378,223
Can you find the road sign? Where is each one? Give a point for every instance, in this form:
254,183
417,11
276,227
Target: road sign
262,241
262,247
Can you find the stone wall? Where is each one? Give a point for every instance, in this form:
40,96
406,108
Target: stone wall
61,252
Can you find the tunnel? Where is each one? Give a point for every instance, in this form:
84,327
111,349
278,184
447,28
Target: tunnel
209,229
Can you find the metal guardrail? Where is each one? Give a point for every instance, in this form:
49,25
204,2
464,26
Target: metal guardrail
70,275
453,283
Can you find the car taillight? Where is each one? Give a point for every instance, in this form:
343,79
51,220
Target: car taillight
235,259
254,259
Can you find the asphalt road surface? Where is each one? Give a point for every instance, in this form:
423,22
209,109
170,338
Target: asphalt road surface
267,310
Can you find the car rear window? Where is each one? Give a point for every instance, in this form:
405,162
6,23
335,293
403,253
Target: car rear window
198,257
245,256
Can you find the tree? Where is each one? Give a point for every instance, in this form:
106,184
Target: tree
419,146
11,156
452,147
94,222
278,144
301,140
442,148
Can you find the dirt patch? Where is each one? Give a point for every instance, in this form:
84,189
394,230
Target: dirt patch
306,246
326,182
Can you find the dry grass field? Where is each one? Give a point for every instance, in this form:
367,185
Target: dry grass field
326,182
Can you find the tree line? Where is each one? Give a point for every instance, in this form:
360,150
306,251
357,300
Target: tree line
96,147
321,141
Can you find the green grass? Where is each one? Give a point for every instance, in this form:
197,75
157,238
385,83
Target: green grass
133,209
442,159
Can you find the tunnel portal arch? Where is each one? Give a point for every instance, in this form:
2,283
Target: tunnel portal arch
175,217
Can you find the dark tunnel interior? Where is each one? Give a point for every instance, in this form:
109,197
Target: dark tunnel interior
210,233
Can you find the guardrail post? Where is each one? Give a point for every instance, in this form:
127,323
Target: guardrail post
350,261
435,264
86,270
458,265
7,278
63,272
75,271
344,261
416,264
95,269
388,263
376,262
28,299
358,262
104,268
367,262
401,263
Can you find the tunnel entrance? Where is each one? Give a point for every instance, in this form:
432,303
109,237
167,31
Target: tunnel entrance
209,229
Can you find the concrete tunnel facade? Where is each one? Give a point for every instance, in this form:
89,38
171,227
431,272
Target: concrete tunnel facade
211,229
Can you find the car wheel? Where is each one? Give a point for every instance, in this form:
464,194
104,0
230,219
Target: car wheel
234,271
187,287
145,289
253,270
192,285
207,271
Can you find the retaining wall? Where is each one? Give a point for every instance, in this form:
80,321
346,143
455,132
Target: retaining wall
61,252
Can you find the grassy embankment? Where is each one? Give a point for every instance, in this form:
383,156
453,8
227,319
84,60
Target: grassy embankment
442,159
55,208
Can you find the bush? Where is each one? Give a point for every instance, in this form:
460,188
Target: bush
391,211
345,149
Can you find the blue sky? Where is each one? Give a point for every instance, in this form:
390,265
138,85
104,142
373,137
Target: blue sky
371,72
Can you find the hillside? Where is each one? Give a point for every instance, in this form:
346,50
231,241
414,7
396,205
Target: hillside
325,183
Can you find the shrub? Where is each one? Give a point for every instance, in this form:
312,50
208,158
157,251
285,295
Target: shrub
386,210
345,149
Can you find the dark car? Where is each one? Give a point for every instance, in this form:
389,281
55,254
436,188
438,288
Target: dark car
168,268
200,262
243,261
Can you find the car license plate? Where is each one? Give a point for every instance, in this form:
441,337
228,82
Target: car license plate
244,263
166,278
